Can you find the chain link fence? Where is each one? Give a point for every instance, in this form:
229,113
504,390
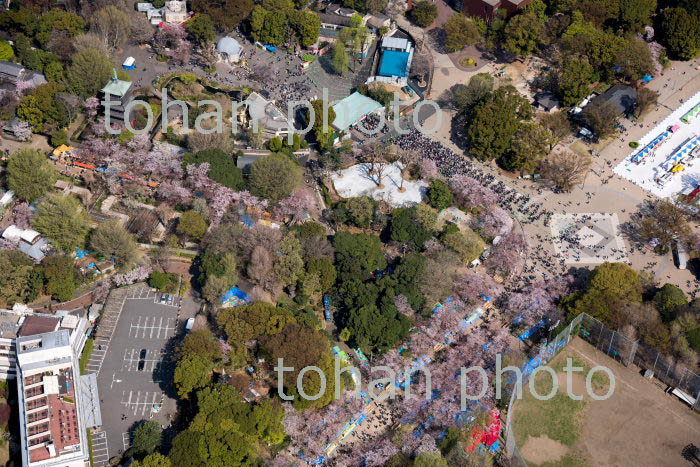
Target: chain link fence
548,353
617,346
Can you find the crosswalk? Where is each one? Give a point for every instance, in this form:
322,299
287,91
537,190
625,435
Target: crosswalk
100,454
108,322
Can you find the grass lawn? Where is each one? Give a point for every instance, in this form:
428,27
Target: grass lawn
559,418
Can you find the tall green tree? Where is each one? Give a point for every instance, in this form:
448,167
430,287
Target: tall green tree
575,80
635,14
20,281
522,33
201,29
635,60
531,144
357,256
274,177
306,25
494,122
668,300
341,61
227,14
191,373
111,240
30,174
43,107
406,229
6,52
680,33
147,437
609,285
58,20
63,220
460,32
89,72
61,278
192,224
424,13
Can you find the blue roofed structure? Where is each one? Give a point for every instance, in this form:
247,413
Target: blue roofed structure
394,64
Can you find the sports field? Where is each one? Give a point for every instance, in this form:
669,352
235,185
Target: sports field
638,425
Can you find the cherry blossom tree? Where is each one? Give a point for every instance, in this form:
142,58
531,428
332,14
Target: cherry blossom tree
9,243
174,192
23,215
296,205
92,105
401,302
495,221
472,285
23,87
101,291
539,300
508,256
471,193
23,131
429,169
138,274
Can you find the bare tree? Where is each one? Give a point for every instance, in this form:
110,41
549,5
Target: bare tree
558,123
564,169
646,98
374,155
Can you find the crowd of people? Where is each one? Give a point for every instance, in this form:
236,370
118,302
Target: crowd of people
451,164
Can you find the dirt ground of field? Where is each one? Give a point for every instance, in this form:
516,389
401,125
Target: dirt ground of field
638,425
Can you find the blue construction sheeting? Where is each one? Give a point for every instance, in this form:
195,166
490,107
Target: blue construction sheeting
531,331
394,63
235,297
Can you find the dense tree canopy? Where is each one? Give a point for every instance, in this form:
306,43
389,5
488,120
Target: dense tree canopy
112,241
29,174
89,72
63,220
495,121
274,177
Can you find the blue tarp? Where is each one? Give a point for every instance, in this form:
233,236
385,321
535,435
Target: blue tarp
647,78
81,253
235,297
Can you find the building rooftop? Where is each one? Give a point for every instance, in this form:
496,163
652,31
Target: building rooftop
331,18
229,46
117,87
34,325
399,43
12,69
267,113
352,109
623,97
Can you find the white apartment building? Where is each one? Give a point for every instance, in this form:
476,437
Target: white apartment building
51,406
24,322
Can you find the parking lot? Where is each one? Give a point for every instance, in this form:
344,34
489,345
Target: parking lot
131,357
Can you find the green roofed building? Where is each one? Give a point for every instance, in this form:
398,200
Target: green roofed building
353,109
118,92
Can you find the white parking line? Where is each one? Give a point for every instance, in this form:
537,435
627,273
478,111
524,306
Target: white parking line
146,327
